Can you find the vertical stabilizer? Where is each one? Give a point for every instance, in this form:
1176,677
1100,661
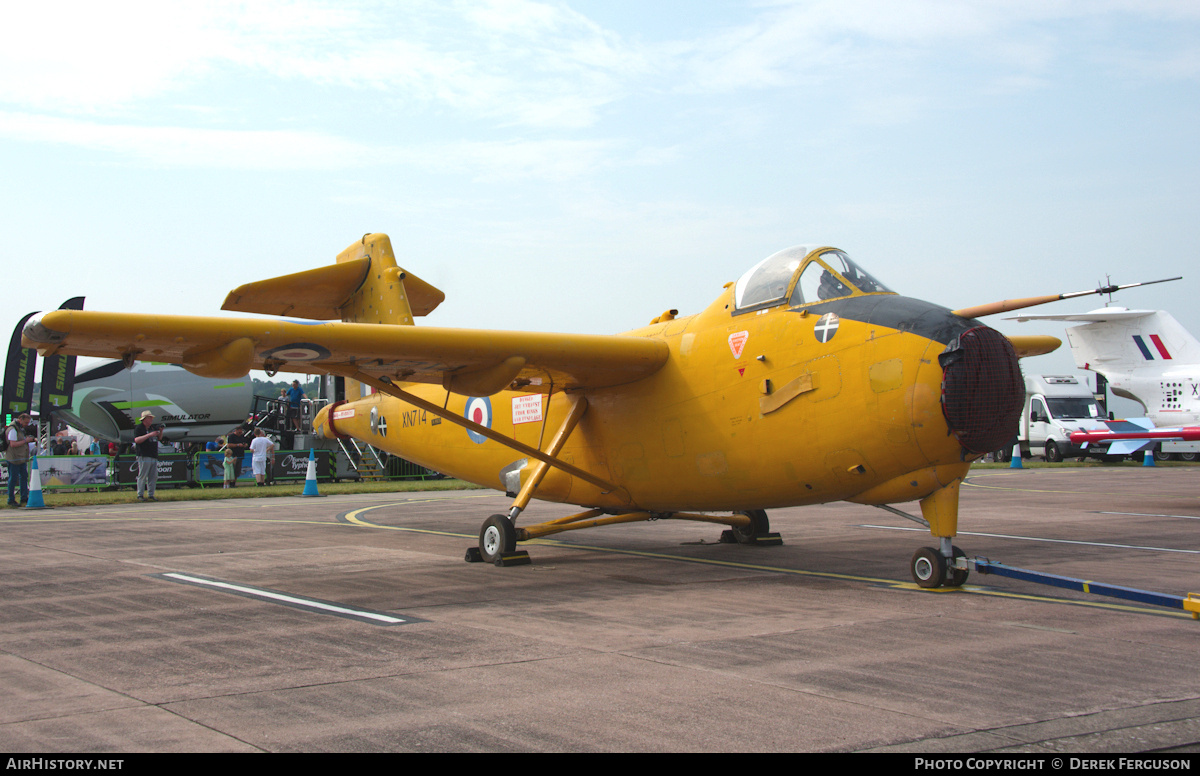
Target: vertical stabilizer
1123,343
364,285
382,297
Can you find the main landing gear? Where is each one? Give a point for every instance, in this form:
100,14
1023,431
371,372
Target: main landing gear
931,567
497,544
757,531
498,536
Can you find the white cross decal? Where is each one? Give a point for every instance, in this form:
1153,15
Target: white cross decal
826,327
382,426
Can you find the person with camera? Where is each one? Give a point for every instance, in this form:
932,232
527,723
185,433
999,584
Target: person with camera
20,438
148,435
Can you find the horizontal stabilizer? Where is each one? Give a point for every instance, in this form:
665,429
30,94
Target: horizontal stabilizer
319,294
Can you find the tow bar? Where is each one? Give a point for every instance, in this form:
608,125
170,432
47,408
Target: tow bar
1189,603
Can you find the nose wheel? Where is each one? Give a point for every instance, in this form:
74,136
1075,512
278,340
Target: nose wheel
931,569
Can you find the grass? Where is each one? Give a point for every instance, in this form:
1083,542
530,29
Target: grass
57,498
1038,463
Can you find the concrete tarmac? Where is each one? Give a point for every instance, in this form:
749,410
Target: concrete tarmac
644,637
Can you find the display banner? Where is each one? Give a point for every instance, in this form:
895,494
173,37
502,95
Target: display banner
210,468
293,465
58,373
289,465
18,374
172,469
73,471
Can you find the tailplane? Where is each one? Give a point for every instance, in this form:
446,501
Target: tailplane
364,286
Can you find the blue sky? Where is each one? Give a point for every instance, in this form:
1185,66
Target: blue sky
582,166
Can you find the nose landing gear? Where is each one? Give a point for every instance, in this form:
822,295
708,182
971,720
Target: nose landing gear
931,568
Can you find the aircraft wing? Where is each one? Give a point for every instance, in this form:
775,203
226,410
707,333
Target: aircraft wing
1129,436
472,362
1095,316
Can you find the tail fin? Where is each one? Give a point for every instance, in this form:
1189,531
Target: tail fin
386,294
1124,343
1118,340
364,286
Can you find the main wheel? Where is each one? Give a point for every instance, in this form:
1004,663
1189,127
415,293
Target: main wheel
759,526
1053,454
497,537
1003,455
957,577
928,568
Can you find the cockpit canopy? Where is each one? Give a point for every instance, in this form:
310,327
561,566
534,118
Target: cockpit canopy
802,275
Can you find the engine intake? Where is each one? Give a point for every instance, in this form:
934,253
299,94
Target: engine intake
983,391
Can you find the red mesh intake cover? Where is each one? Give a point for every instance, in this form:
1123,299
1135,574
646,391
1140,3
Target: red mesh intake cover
983,391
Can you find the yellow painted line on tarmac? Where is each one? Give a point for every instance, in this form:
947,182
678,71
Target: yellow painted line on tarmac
356,518
352,518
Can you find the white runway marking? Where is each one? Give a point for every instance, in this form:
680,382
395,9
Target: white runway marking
1148,514
1042,539
299,602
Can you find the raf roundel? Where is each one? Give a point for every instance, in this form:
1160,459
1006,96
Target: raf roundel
478,410
297,351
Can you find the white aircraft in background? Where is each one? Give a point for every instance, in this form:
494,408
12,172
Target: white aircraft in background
1146,356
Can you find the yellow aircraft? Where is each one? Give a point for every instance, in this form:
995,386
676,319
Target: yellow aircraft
806,381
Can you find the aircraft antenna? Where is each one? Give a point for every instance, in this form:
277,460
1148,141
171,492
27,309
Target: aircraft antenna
1019,304
1110,289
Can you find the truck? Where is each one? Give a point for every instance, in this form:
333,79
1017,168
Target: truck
1056,405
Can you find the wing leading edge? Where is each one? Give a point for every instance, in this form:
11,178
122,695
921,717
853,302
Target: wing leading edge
474,362
376,301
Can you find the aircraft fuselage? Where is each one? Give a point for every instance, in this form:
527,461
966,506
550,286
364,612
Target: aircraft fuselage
839,400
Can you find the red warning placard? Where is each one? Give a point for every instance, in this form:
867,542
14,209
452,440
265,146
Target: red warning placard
527,409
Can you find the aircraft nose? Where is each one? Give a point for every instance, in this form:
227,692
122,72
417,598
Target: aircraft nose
982,389
325,421
320,422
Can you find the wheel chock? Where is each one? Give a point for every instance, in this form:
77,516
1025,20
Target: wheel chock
1192,604
518,558
766,540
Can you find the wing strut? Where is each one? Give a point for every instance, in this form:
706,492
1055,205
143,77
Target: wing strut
384,385
578,408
